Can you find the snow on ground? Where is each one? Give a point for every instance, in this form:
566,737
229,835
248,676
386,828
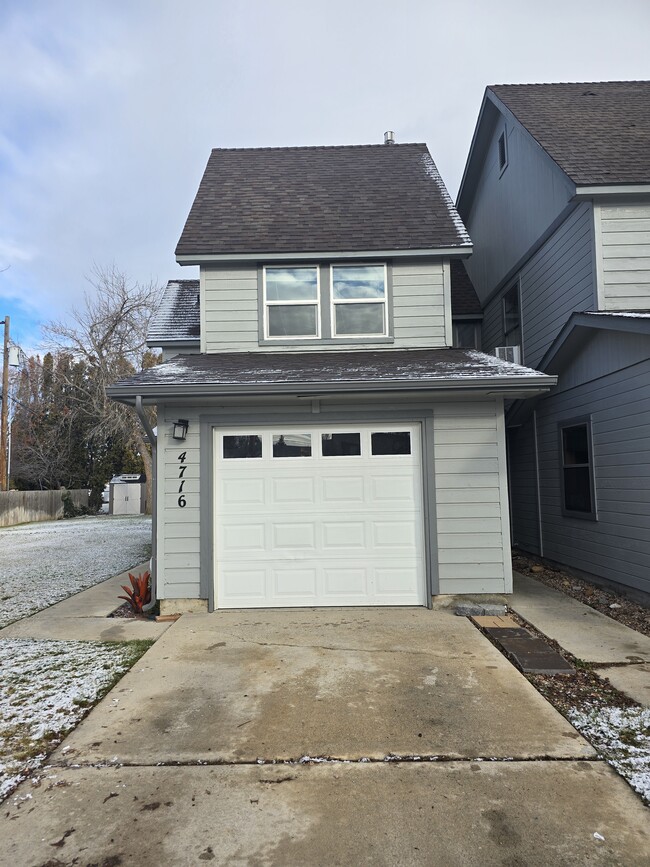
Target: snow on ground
46,687
622,737
40,564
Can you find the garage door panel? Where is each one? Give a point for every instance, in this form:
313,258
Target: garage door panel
294,489
397,580
343,535
244,584
341,488
289,535
242,537
237,491
394,534
345,582
318,530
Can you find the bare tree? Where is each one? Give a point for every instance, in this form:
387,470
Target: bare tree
108,332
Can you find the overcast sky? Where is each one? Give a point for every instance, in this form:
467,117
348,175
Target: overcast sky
109,108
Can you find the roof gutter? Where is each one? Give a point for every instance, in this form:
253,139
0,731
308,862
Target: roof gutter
153,440
491,385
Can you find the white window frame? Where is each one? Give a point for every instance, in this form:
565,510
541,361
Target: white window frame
306,303
334,304
586,422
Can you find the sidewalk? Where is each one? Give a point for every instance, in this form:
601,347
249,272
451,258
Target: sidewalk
621,654
84,617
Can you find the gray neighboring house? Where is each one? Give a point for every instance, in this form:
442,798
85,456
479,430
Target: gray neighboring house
337,450
556,197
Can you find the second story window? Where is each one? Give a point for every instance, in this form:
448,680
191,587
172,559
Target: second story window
359,300
292,302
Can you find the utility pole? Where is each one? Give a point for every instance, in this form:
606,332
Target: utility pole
4,418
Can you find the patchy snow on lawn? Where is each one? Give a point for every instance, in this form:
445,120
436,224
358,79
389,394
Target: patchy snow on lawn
622,737
43,563
46,687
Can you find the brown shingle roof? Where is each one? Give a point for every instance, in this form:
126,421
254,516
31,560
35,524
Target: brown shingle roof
313,199
598,132
464,300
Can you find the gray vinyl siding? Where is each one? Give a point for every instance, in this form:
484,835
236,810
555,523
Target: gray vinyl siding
178,528
471,498
513,209
616,546
419,305
625,251
558,279
230,310
523,487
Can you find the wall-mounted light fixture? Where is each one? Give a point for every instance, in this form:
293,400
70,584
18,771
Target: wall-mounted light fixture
180,429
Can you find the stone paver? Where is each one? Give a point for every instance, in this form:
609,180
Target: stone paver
583,631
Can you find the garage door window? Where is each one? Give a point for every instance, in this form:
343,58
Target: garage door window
391,443
242,446
339,445
292,445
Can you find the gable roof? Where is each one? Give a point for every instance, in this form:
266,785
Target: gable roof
350,198
597,132
177,319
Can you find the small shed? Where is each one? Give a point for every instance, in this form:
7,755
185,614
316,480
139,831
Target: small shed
127,494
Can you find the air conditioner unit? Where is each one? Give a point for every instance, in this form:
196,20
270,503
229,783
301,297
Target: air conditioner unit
509,353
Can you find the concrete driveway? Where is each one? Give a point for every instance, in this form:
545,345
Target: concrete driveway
427,747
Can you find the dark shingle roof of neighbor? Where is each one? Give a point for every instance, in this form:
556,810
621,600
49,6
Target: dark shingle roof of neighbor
464,300
321,199
178,316
597,132
237,370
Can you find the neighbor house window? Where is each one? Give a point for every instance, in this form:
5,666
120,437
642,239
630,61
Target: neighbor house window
291,302
512,317
467,335
502,147
578,491
359,301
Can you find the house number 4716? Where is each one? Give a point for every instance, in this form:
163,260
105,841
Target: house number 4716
182,466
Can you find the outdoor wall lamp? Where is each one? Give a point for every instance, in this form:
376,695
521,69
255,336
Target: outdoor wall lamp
180,429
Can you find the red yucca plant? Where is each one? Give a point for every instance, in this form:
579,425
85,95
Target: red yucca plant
139,593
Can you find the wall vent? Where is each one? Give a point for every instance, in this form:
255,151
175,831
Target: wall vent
509,353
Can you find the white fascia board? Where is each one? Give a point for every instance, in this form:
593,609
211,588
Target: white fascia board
589,192
515,386
462,251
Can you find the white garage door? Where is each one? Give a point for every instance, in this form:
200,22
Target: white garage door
319,516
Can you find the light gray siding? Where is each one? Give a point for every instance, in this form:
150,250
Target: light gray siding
178,527
558,279
473,537
513,209
625,256
229,309
420,298
420,310
616,547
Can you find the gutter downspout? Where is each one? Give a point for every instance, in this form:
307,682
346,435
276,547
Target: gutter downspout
154,498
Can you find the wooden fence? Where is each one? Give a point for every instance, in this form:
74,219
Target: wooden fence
22,507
